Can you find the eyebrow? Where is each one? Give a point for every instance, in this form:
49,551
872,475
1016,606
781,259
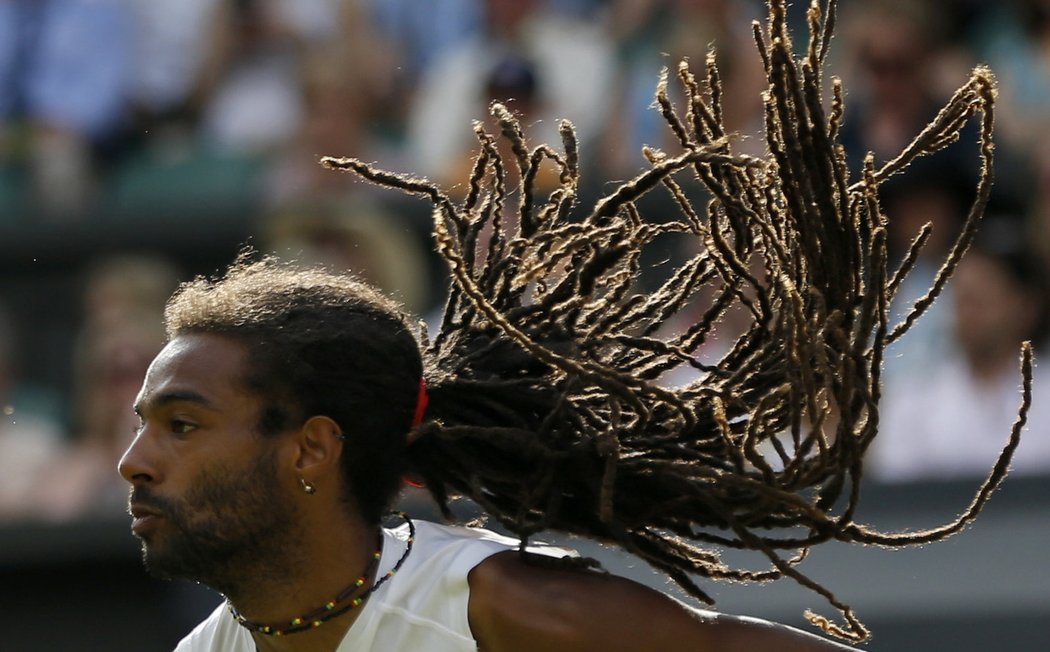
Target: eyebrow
167,398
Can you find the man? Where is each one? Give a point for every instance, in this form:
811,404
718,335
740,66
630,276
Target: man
272,437
280,419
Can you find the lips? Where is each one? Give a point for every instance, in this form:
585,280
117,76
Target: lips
142,518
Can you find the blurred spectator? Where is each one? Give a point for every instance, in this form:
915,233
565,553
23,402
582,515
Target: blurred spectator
170,47
357,82
121,333
899,73
358,234
64,76
30,433
1013,40
218,97
513,81
253,103
418,38
572,64
952,421
348,101
335,110
938,198
652,34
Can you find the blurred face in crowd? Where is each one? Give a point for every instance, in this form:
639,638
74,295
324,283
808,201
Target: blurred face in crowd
993,313
895,53
206,499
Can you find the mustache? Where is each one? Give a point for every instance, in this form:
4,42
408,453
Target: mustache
147,498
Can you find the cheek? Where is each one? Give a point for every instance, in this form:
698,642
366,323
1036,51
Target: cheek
223,497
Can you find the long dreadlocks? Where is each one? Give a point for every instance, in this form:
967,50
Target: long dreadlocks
547,407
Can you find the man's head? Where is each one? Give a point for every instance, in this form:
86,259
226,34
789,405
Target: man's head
207,489
318,344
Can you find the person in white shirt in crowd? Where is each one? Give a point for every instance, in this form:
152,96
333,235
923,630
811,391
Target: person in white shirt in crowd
950,421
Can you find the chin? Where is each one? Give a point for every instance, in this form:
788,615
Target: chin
164,563
158,564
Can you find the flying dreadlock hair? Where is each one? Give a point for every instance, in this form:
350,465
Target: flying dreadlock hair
546,402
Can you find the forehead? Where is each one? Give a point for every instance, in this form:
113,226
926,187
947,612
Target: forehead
209,367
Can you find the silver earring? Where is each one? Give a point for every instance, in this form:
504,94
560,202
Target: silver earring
307,487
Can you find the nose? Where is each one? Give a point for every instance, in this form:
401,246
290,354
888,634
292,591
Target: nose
136,465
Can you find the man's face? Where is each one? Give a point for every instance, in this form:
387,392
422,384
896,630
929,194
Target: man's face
207,498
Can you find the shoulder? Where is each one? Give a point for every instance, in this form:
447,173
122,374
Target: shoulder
517,606
457,547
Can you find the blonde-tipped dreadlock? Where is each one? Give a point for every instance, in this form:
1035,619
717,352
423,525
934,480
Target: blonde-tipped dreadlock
546,407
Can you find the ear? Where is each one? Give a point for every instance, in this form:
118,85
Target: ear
318,447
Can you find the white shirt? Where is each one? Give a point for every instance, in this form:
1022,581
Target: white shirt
949,424
422,607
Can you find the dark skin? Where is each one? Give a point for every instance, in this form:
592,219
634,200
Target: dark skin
517,607
196,416
198,426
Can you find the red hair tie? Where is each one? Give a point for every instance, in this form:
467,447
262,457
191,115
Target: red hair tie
421,407
421,403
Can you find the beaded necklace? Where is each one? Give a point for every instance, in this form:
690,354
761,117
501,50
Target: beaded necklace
332,608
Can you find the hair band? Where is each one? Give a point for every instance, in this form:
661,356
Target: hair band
421,403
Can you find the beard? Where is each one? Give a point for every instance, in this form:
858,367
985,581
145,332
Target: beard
231,530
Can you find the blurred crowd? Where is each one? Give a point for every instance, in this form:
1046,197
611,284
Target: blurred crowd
97,96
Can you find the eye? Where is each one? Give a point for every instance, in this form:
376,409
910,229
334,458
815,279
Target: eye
180,427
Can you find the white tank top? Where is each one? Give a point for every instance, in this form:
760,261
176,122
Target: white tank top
422,607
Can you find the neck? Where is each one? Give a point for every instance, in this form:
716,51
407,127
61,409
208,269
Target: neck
336,556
